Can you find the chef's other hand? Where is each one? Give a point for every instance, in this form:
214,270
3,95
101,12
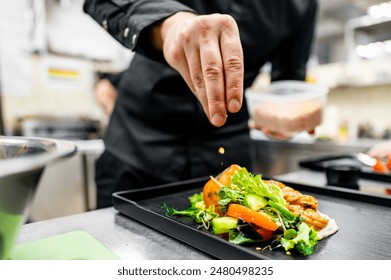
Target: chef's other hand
381,149
282,125
207,52
105,94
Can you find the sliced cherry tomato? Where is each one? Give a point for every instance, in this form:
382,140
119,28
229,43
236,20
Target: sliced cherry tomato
251,216
379,167
265,233
210,194
212,188
225,177
389,162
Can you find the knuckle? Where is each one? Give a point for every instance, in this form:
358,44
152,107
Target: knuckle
204,27
185,36
198,82
204,23
216,100
234,64
213,72
216,105
175,55
226,21
235,88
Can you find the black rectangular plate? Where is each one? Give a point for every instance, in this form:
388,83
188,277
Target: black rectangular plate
320,164
364,222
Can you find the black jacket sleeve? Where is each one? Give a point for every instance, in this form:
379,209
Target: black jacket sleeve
128,20
290,60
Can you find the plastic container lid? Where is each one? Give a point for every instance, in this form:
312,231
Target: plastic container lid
287,91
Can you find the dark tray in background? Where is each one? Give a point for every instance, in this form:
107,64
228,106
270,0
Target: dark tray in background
320,164
364,222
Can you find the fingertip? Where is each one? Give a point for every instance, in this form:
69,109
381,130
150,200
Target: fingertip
234,105
218,119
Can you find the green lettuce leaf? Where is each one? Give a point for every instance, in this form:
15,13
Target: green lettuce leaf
304,241
197,201
250,183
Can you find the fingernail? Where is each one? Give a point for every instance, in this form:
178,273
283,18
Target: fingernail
218,119
233,105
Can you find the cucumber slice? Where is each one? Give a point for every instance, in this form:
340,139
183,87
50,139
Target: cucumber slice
254,202
223,224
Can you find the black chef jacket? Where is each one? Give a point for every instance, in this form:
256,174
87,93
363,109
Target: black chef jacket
158,131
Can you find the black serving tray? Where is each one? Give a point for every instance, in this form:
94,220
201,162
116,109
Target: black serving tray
364,222
320,164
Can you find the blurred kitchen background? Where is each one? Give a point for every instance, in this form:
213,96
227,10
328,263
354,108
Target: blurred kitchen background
51,54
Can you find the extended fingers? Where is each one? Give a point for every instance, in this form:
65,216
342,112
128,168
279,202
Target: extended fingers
213,77
207,52
196,79
222,67
232,56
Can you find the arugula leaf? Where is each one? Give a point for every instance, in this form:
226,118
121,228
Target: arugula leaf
197,211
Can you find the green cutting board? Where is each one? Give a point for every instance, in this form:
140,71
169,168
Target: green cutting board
75,245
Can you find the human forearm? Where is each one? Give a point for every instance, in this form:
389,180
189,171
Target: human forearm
127,20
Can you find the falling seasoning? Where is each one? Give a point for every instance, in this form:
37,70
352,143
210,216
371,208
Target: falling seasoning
221,151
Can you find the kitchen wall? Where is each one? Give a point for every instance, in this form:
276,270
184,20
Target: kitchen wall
369,105
58,87
49,59
359,95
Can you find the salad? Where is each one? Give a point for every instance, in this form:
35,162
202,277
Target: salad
245,209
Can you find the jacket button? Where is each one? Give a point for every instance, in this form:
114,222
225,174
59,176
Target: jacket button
126,32
104,24
134,37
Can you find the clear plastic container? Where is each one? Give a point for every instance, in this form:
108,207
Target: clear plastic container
282,105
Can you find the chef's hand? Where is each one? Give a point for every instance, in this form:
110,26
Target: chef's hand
105,94
381,149
277,135
282,125
207,52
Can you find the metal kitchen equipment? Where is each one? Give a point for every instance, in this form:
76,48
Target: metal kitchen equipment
322,162
67,128
22,162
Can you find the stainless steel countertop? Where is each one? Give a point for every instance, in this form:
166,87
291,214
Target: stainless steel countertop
126,238
129,239
280,157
